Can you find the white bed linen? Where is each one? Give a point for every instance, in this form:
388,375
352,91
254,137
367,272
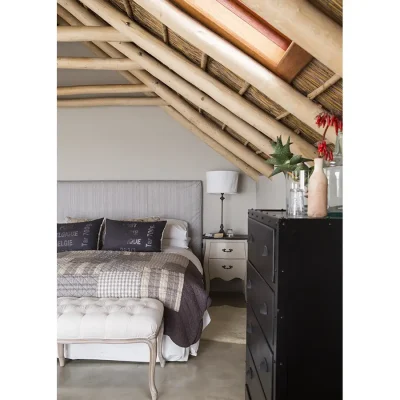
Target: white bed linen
139,352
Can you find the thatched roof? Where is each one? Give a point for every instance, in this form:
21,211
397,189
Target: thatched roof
311,77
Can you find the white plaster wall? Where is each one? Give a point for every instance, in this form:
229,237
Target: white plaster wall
271,193
144,143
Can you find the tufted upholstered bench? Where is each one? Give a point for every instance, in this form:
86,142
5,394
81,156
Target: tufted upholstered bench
112,320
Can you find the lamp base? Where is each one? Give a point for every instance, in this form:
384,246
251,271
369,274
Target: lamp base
221,227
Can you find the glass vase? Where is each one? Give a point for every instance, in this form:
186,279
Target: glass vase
296,193
334,174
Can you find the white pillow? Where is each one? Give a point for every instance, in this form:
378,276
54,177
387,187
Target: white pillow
175,243
176,229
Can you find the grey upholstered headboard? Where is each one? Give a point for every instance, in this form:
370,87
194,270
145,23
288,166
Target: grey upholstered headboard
135,199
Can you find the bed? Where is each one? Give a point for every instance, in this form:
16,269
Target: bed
137,199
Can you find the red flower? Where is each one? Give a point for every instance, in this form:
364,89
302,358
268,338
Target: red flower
324,151
326,119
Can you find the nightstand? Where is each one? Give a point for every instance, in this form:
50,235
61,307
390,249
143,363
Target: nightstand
225,258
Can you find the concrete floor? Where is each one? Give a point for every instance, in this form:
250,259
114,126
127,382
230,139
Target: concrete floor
217,373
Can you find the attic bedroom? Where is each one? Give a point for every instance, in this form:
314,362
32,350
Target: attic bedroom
197,178
203,114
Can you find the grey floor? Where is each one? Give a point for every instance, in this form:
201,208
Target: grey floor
217,373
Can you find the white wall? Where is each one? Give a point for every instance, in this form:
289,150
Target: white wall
144,143
270,193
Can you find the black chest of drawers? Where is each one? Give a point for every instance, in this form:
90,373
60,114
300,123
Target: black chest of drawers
294,308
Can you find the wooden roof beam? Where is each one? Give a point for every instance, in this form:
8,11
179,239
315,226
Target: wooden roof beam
208,140
64,18
242,91
113,64
173,99
89,34
222,102
111,101
98,89
236,60
306,25
100,49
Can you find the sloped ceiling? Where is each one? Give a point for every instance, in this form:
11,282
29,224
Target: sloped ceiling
311,78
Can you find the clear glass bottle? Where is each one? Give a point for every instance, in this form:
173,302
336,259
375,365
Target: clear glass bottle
334,174
296,193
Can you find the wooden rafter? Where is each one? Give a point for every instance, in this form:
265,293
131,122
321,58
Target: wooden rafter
111,101
113,64
89,34
173,99
97,89
242,91
220,99
99,49
245,168
235,60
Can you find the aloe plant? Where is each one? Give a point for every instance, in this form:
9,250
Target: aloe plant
284,160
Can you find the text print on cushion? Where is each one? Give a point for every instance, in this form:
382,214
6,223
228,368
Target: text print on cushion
79,236
133,235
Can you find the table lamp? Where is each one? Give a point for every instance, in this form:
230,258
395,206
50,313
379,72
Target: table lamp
222,182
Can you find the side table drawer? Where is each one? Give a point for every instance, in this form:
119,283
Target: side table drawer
228,250
227,269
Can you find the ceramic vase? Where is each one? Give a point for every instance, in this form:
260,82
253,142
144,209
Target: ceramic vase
318,191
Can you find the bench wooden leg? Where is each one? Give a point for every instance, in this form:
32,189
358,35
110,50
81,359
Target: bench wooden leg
60,348
152,367
159,345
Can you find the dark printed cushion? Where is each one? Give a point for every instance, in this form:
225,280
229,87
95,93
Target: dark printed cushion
79,235
133,235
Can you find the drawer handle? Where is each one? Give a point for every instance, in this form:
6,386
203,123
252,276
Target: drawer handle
249,328
265,252
249,373
248,284
227,250
227,266
264,309
264,365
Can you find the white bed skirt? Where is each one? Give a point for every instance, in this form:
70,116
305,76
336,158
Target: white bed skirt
138,352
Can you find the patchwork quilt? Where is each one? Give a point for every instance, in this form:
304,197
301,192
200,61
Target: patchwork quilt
171,278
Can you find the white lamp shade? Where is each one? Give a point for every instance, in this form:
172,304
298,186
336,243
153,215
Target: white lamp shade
222,181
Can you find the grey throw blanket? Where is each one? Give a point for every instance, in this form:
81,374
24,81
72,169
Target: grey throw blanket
170,278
